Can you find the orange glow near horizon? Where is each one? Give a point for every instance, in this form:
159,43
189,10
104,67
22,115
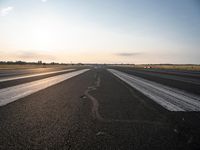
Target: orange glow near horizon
67,32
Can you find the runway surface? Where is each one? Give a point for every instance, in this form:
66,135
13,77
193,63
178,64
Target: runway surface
13,93
33,75
185,80
18,72
93,108
170,98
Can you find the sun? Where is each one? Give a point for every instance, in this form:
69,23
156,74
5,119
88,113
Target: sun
44,33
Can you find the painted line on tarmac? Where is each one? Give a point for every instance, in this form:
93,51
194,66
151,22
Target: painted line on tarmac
10,94
168,76
33,75
170,98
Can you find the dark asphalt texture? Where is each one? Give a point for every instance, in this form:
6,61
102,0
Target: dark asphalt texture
10,83
188,81
18,72
21,72
182,73
61,117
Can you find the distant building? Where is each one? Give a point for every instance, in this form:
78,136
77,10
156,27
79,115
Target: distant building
39,62
147,67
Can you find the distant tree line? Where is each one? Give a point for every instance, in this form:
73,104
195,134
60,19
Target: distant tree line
19,62
28,63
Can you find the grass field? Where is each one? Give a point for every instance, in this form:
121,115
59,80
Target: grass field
192,67
28,66
173,67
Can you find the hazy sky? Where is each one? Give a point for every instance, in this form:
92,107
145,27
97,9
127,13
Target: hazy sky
100,31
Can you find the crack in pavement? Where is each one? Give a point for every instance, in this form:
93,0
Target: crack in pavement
97,115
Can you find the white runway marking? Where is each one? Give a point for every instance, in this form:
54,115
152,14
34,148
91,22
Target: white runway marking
10,94
33,75
96,114
170,98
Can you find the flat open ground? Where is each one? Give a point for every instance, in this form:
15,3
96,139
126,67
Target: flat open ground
92,108
32,66
189,67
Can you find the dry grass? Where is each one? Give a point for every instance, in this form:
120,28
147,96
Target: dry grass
192,67
173,67
27,66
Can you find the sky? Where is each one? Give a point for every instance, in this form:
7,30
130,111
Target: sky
100,31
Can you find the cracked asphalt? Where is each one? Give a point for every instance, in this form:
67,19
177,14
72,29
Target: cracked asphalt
95,110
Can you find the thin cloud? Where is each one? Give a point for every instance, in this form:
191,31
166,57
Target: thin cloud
6,11
127,54
24,55
44,1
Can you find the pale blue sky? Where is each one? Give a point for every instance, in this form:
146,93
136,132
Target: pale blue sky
104,31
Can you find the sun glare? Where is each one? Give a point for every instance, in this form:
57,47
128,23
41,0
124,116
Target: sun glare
44,33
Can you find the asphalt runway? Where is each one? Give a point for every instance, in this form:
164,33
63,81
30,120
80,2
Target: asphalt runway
170,98
93,109
13,93
18,72
185,80
33,75
16,77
